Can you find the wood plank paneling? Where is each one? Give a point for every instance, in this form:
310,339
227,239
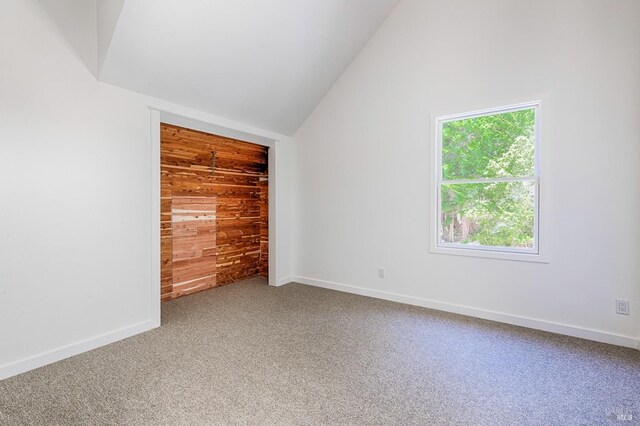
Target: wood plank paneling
263,265
193,228
239,183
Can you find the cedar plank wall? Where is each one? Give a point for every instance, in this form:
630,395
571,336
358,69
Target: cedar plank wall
193,241
263,266
239,185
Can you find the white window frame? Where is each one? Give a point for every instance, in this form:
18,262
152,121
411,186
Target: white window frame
539,252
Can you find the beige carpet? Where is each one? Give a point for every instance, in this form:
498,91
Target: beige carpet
252,354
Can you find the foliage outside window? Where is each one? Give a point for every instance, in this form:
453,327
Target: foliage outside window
487,180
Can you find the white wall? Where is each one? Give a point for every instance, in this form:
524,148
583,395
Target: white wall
75,215
362,161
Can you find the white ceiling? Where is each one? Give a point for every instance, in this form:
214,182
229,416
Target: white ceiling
266,63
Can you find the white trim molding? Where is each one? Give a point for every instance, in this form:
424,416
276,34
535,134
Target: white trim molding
154,167
283,281
537,324
67,351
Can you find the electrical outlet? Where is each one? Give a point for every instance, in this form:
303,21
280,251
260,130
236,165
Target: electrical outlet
622,306
380,272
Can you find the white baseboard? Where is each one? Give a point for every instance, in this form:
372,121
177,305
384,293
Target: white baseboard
568,330
51,356
283,281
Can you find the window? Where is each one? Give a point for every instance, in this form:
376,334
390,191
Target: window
487,183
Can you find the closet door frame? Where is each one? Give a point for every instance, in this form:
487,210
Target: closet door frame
186,117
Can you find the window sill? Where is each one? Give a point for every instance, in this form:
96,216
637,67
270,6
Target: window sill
490,254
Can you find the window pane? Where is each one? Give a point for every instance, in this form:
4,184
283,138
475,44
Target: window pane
499,214
498,145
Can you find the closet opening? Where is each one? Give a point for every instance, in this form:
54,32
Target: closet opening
214,211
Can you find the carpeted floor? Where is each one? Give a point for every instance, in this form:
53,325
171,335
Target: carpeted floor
253,354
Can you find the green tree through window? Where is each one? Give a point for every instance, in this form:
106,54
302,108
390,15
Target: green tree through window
488,180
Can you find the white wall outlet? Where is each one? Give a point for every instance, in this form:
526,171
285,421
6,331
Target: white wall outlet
622,306
380,272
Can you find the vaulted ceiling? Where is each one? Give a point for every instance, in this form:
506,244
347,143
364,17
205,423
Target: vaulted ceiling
262,62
